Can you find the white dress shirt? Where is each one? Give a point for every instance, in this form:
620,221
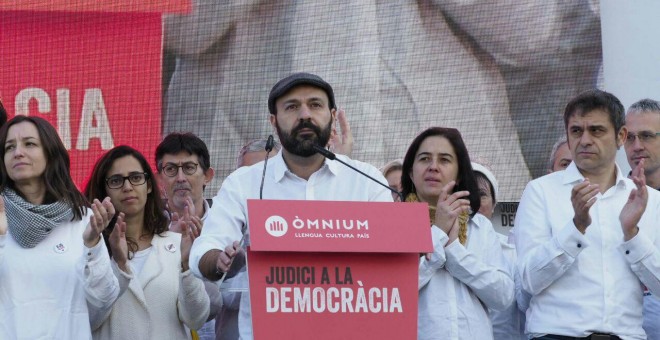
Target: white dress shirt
651,315
207,332
509,324
460,282
581,284
228,215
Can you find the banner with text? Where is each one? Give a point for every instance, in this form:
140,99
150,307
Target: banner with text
329,296
385,227
503,217
358,272
95,76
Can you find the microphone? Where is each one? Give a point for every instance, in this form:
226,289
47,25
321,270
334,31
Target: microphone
270,143
331,156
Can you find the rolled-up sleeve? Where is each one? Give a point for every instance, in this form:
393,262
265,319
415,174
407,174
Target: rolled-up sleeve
224,223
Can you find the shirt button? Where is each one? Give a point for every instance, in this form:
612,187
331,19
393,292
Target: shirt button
579,245
627,252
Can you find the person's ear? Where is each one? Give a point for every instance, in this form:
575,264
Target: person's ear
621,136
208,175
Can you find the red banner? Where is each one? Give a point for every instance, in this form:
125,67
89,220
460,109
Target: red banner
329,296
357,277
95,76
160,6
384,227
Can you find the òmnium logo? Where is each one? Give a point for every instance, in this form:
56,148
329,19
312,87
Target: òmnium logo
276,226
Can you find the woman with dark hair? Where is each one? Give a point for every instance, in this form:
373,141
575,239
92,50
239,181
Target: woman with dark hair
52,263
163,298
466,273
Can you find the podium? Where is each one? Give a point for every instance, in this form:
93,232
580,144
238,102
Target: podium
335,270
92,68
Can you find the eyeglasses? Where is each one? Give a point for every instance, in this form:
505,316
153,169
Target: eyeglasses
117,181
171,169
644,137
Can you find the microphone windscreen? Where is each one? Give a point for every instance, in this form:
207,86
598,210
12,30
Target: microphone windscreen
270,143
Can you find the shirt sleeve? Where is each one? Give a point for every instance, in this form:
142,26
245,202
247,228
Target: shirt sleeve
488,276
643,254
542,256
428,267
101,283
522,297
193,301
379,193
224,223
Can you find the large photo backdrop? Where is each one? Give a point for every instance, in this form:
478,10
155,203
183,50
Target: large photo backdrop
500,72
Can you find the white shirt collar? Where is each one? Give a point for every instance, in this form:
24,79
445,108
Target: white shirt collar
280,168
573,175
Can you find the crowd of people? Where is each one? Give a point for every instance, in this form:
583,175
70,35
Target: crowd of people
143,255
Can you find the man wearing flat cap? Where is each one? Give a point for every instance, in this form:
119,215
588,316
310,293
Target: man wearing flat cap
302,111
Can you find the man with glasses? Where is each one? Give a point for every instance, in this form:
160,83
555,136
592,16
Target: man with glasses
184,170
643,142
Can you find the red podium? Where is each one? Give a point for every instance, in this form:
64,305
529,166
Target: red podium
90,67
335,270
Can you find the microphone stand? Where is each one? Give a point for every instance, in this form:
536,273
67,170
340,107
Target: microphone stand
331,156
270,143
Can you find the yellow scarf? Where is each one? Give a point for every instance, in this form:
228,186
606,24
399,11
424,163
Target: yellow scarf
462,218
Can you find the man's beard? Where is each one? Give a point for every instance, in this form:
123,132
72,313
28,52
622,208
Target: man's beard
302,146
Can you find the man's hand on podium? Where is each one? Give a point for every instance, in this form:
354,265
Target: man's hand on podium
231,260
